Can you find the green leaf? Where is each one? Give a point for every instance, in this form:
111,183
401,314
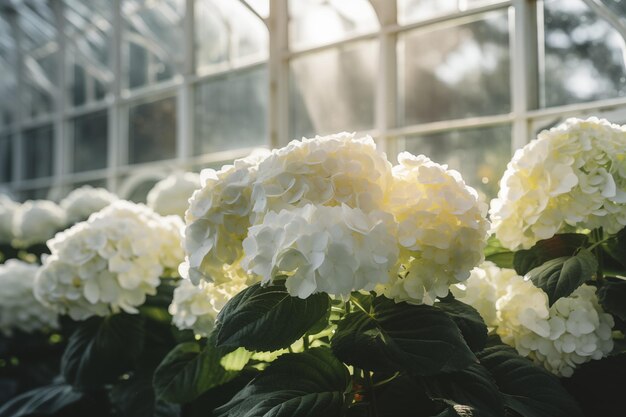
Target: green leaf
560,277
472,388
528,390
189,370
558,246
468,320
135,398
100,349
268,318
612,296
397,337
42,401
309,384
498,254
616,249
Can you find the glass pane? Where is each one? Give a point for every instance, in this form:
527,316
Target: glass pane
227,30
90,134
333,90
152,131
37,23
35,194
8,81
455,72
418,10
614,115
480,155
153,40
6,159
38,152
316,22
231,111
584,54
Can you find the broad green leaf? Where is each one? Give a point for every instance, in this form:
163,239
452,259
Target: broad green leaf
309,384
189,370
398,337
236,360
560,277
468,320
612,296
616,249
268,318
204,405
472,388
558,246
498,254
528,390
55,399
101,349
135,398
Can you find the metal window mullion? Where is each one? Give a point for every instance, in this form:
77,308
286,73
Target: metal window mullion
116,136
278,109
184,106
61,149
524,68
386,82
17,143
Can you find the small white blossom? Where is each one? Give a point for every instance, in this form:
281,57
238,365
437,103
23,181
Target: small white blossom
109,262
572,331
37,221
18,307
334,250
195,307
83,201
171,195
7,210
442,229
572,176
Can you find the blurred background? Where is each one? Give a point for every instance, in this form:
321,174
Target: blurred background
118,93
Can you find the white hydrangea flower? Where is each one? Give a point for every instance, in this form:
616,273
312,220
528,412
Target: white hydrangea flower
442,229
171,195
217,221
574,330
578,331
334,250
573,175
109,262
83,201
18,307
7,210
195,307
37,221
330,171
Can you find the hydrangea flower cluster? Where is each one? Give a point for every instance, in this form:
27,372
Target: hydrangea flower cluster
170,196
334,216
7,209
110,262
195,307
83,201
572,331
572,176
18,307
36,221
334,250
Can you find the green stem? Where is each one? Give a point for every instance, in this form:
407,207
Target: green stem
367,379
599,239
386,381
306,342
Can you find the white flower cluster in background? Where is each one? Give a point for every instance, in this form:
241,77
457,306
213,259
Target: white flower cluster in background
334,250
170,196
83,201
441,229
36,221
18,307
7,209
333,215
109,262
195,307
571,176
572,331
